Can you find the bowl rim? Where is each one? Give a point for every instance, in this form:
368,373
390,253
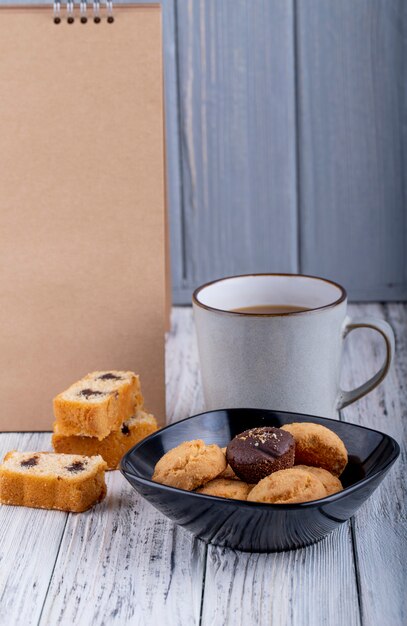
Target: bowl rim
275,507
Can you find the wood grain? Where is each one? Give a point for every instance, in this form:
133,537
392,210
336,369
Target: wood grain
146,569
184,392
29,543
121,563
172,135
236,86
380,526
292,142
351,111
315,585
125,563
307,586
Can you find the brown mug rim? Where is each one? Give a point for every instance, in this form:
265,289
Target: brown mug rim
341,299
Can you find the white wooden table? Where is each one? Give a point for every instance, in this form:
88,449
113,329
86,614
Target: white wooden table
124,563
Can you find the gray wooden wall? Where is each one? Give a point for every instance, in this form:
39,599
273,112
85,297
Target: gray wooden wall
286,135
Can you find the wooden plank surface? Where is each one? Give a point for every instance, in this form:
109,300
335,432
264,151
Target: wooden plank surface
29,543
380,526
125,563
242,588
147,569
184,391
237,124
292,121
314,585
351,141
172,136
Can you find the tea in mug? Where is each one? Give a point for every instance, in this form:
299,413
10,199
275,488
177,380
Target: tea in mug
270,309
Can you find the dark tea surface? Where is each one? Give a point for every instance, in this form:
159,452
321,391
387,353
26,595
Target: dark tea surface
270,309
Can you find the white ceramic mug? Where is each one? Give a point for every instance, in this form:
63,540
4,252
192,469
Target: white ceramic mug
282,361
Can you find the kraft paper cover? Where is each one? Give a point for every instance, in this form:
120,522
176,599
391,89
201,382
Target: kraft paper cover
82,215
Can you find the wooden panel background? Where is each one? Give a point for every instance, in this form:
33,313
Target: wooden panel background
237,121
350,94
287,136
286,140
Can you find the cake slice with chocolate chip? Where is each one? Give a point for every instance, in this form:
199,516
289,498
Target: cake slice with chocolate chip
44,480
98,403
112,447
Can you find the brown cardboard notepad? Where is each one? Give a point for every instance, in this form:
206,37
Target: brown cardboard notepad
82,208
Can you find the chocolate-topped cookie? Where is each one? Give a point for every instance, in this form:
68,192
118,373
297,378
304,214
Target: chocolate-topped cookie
256,453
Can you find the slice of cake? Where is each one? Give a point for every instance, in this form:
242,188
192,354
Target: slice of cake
44,480
112,447
98,404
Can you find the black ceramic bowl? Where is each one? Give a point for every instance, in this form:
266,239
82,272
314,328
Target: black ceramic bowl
252,526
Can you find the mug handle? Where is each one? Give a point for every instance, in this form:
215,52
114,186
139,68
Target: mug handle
347,397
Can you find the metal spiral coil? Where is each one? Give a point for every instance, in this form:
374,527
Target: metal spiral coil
70,12
83,7
84,13
57,12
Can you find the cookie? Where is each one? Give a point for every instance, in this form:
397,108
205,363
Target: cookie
318,446
224,488
190,465
288,486
258,452
228,473
331,483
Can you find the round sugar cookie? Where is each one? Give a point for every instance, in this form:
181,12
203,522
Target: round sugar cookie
288,486
226,488
190,465
331,483
318,446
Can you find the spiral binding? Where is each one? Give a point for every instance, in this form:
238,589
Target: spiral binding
82,11
69,12
85,12
57,12
109,11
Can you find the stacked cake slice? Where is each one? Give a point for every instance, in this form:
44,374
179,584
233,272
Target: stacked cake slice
102,414
97,420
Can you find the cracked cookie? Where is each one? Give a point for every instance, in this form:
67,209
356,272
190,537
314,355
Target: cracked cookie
226,488
190,465
318,446
331,483
288,486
